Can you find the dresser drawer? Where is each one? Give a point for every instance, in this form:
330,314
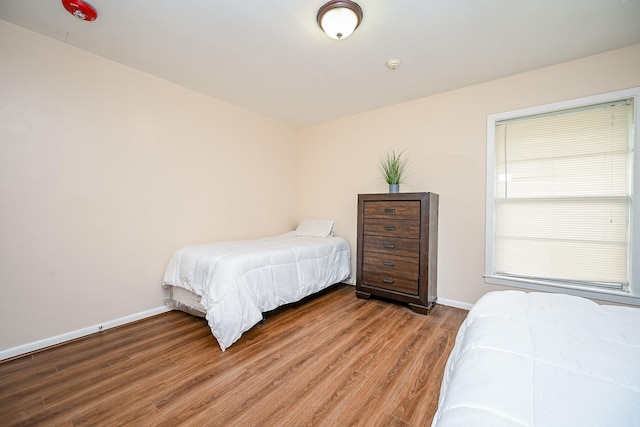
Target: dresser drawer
391,245
393,228
393,265
392,209
387,281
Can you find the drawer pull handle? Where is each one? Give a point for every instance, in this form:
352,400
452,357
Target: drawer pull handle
389,228
389,263
388,245
389,281
389,210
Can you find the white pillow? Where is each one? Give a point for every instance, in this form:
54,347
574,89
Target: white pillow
315,228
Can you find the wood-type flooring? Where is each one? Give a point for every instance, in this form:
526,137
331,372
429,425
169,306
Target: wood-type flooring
333,360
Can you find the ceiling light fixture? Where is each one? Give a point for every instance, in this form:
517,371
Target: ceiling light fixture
339,18
80,9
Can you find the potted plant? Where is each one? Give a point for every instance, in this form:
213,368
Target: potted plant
393,166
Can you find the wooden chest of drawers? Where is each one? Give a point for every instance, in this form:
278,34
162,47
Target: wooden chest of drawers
397,252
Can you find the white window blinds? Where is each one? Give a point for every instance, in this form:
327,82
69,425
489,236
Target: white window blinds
562,196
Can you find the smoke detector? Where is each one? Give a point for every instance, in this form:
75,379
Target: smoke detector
80,9
392,64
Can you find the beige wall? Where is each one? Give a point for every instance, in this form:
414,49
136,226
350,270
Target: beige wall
445,136
105,171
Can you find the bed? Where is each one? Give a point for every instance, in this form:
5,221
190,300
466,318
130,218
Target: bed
536,359
232,283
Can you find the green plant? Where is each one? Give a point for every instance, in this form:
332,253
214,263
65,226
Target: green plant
393,166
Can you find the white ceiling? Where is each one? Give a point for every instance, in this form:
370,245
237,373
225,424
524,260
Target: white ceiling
270,56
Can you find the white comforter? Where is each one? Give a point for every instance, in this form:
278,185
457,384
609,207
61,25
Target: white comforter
239,280
543,360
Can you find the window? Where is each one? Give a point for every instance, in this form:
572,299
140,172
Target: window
561,211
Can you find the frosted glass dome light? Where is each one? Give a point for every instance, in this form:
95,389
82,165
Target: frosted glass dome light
338,19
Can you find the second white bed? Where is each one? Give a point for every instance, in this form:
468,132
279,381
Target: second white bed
536,359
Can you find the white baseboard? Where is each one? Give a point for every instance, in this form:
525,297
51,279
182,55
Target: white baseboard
59,339
453,303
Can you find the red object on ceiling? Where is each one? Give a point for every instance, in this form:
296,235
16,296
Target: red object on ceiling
80,9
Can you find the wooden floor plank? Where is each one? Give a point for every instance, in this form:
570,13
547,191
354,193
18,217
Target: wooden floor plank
301,392
385,372
331,360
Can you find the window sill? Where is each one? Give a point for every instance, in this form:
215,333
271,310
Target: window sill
597,294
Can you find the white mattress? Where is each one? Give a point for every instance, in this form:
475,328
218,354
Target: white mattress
182,299
239,280
543,360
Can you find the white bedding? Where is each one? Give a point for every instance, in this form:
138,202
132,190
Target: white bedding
239,280
535,359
